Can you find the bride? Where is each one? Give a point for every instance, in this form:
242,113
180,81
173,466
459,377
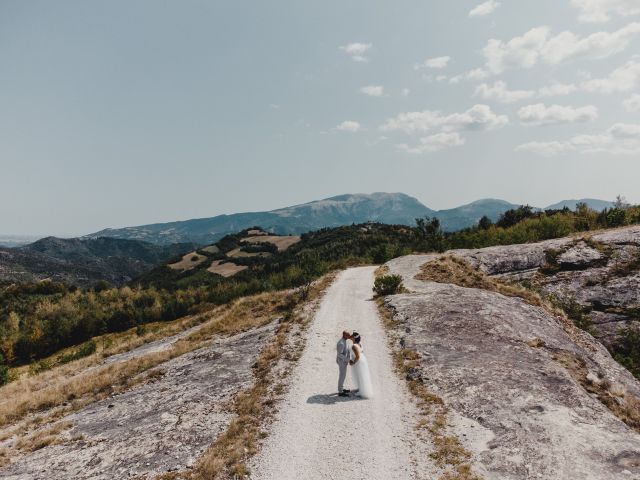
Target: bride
360,368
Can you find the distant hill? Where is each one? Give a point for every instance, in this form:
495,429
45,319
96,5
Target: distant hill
83,262
468,215
16,240
594,203
389,208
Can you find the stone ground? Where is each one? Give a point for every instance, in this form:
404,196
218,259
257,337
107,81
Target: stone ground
157,427
515,407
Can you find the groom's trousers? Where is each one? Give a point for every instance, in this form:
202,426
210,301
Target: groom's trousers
342,375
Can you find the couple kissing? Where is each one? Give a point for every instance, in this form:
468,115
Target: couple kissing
350,352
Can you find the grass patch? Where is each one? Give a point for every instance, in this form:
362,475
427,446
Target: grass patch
614,397
42,438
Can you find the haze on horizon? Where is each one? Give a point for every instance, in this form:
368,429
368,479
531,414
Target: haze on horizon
126,113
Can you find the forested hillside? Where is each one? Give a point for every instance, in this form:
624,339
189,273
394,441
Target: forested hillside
38,319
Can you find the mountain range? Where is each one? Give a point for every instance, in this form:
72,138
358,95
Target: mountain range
83,262
390,208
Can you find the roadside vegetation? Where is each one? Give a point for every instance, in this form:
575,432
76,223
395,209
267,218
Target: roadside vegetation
38,320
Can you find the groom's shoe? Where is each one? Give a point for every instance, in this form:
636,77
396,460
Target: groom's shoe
343,394
346,390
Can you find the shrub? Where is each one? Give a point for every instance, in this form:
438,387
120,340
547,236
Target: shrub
86,349
4,371
627,349
387,284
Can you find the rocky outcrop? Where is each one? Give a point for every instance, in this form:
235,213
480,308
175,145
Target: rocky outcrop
530,396
160,426
600,272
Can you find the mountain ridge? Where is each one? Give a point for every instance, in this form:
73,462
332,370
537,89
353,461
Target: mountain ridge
84,261
345,209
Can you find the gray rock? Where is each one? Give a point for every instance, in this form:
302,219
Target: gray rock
598,281
580,256
515,407
156,427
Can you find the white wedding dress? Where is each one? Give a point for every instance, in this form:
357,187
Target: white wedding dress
361,375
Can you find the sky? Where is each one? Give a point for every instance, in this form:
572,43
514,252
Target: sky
132,112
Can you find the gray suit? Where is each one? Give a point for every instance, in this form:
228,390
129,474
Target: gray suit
342,359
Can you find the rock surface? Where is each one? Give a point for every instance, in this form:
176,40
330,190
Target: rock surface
510,374
157,427
599,271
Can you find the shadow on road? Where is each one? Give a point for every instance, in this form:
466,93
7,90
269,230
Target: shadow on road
330,398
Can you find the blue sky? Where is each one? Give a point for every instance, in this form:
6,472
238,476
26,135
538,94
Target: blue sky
130,112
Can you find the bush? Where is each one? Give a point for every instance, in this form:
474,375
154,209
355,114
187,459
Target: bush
4,371
387,284
86,349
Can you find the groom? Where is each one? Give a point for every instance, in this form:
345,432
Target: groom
342,358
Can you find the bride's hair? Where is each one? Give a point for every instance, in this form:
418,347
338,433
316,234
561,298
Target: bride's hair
356,337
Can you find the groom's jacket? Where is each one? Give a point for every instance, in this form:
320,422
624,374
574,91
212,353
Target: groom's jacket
344,352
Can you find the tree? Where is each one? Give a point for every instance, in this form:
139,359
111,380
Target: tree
431,232
621,203
485,223
515,215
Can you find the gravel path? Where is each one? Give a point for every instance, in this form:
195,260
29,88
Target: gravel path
319,435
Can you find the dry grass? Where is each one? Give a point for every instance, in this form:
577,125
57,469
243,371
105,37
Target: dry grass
107,345
188,262
624,406
210,249
381,271
282,242
238,253
42,438
448,453
227,457
61,394
226,269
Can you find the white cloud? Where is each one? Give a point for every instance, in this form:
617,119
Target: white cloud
546,149
434,143
484,8
437,63
538,45
474,75
441,78
478,117
557,90
540,114
632,104
597,11
405,92
373,90
500,93
625,130
348,126
620,139
623,79
357,51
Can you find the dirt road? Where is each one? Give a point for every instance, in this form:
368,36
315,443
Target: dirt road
319,435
